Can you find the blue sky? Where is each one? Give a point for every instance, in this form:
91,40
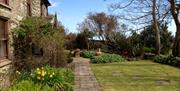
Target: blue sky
72,12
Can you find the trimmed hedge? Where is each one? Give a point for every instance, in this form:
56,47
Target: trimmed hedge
107,58
169,60
103,58
88,54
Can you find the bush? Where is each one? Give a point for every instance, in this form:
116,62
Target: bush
169,60
36,42
107,58
103,58
28,86
88,54
149,50
59,79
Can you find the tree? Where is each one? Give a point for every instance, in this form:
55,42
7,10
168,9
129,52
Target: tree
101,24
70,42
86,37
175,7
156,28
166,38
144,12
81,41
148,37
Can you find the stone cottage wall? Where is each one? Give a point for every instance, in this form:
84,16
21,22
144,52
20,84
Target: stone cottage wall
36,7
18,12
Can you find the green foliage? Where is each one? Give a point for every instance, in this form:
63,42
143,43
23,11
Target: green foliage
81,41
103,58
135,44
88,54
107,58
166,39
70,42
69,56
27,85
149,50
148,38
169,60
36,42
120,45
53,77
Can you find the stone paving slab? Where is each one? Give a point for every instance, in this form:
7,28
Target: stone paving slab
84,77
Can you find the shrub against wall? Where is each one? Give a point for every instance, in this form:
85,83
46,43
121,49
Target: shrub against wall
36,42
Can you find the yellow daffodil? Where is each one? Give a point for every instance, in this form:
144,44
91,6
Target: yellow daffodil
51,76
17,72
43,73
31,74
38,78
39,72
37,69
53,73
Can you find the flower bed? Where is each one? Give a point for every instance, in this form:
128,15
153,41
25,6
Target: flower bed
57,79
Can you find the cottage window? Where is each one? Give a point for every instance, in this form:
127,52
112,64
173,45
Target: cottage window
4,1
29,8
3,39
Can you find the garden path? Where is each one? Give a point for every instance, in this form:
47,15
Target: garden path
84,77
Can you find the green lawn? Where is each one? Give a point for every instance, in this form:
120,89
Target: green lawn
137,76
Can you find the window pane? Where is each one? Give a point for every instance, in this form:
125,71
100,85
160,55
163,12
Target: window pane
43,10
2,29
29,7
3,49
3,40
3,1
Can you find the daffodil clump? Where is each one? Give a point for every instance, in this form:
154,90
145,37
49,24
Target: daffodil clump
56,78
42,75
53,77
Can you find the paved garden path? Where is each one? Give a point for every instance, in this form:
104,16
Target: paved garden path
84,77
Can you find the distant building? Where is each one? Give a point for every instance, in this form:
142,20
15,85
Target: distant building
13,11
